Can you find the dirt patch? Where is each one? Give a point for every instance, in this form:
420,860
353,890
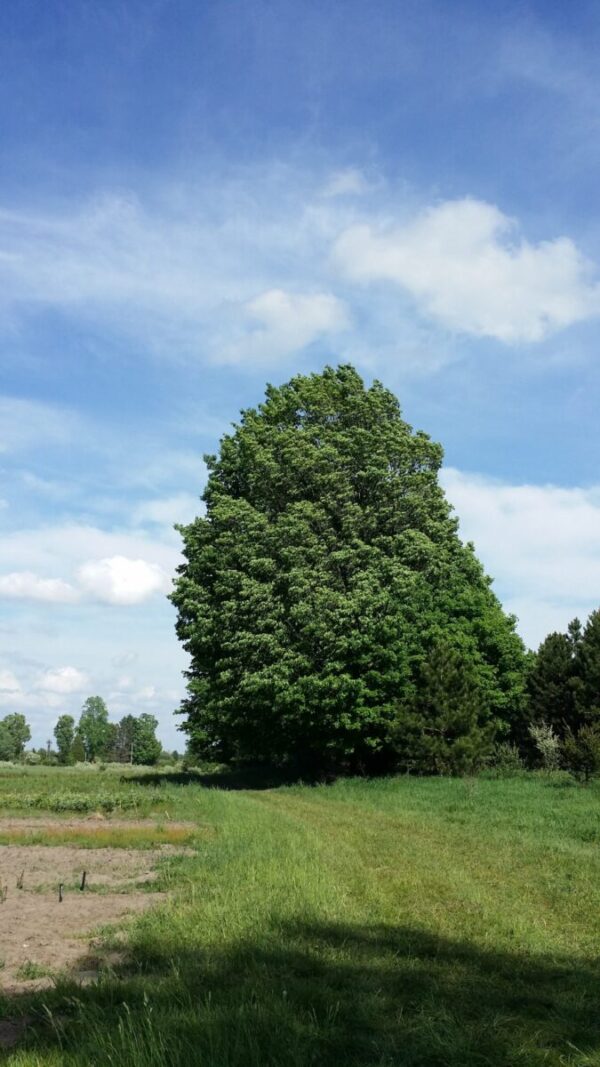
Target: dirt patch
41,935
89,822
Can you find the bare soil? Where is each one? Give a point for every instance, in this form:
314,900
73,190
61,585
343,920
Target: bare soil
36,928
87,822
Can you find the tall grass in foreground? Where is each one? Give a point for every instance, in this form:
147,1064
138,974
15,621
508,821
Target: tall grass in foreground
402,921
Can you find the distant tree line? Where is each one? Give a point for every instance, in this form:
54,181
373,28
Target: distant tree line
132,740
92,738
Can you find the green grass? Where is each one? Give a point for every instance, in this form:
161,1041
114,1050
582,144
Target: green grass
30,970
401,921
104,836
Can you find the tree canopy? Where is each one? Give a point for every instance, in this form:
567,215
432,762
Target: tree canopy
64,732
564,679
19,731
136,740
94,728
325,594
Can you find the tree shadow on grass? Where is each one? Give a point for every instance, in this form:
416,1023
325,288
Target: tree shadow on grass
255,778
333,994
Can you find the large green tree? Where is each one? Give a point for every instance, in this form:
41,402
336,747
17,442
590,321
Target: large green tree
146,746
7,744
64,732
320,580
19,731
136,740
94,728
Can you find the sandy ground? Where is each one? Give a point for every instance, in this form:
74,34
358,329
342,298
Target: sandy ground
36,927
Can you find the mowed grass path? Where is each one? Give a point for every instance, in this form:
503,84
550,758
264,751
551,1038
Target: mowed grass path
400,921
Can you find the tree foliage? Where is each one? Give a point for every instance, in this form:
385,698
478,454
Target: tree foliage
7,745
78,749
64,732
446,728
552,682
19,732
581,752
564,679
94,728
146,746
326,592
136,740
547,745
588,656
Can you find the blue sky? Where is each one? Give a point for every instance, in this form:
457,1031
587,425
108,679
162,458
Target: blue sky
198,198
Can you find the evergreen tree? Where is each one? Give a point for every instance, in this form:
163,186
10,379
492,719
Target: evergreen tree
447,728
588,657
324,569
64,732
564,679
552,682
581,752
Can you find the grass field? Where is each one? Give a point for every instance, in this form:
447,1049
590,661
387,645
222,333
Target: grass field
399,921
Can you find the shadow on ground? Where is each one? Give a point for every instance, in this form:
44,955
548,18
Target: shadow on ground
255,778
318,994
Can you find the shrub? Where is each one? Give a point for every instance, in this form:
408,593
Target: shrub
547,744
504,761
581,752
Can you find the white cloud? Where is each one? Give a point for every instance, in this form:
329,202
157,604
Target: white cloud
541,544
25,585
118,580
348,182
466,265
63,680
165,511
9,683
288,322
57,549
112,567
182,273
